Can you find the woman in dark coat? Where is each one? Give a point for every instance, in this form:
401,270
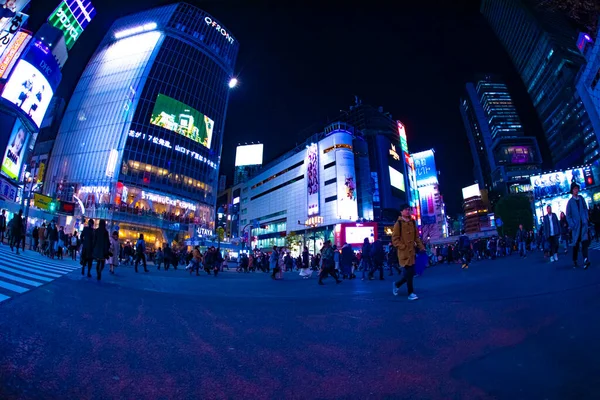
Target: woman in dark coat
101,247
87,248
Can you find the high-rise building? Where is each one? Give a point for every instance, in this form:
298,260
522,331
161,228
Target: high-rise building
503,156
382,153
542,46
588,88
141,139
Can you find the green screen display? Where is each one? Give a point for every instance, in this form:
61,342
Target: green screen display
178,117
64,19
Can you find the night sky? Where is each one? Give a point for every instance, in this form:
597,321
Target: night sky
300,65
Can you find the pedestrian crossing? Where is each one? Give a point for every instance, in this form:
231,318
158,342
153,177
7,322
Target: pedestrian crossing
28,270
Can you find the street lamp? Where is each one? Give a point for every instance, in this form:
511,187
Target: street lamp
233,83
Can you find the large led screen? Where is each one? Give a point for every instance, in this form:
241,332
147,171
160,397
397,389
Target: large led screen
397,179
559,182
15,151
251,154
29,90
357,234
183,119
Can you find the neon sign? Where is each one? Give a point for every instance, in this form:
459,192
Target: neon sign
167,144
72,17
13,53
209,21
155,198
402,134
394,153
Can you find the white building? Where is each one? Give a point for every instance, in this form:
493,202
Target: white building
309,190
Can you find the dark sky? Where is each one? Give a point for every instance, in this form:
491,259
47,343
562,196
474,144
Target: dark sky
300,65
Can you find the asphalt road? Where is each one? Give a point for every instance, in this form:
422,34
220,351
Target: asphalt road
504,329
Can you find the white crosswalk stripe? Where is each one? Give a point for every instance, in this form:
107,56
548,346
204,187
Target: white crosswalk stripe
28,270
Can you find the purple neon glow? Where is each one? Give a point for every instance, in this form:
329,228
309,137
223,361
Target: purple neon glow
587,37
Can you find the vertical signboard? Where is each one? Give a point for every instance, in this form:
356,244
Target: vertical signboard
10,9
427,196
402,134
11,29
425,170
312,179
346,185
72,17
11,55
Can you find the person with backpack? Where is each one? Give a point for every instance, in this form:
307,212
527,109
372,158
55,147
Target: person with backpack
464,246
74,245
140,253
405,239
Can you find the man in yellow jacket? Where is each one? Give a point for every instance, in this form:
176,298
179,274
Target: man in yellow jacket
405,239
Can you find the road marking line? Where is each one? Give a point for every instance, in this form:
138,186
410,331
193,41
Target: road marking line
21,280
13,288
3,297
36,270
26,274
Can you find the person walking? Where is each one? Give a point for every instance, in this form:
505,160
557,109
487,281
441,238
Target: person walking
577,217
464,246
564,231
328,263
521,239
101,250
366,258
551,232
87,248
274,263
405,238
346,261
16,230
2,226
392,259
140,253
115,248
305,271
377,259
52,234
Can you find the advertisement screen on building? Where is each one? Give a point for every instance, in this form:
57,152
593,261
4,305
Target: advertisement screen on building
9,9
402,134
559,182
11,29
12,54
516,155
178,117
357,234
15,152
346,185
251,154
425,168
312,179
397,179
471,191
72,17
427,196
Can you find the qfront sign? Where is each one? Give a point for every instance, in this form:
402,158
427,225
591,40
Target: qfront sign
71,17
210,22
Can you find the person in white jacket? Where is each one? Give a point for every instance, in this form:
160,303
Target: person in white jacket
115,248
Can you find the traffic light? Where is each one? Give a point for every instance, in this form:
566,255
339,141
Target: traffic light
52,206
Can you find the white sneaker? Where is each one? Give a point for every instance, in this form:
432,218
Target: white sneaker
395,289
556,257
551,259
413,296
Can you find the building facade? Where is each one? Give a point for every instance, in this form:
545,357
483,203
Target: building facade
503,156
310,191
140,141
588,86
542,46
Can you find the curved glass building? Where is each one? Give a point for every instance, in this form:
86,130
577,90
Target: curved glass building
141,139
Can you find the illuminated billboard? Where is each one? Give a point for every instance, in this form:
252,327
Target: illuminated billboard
11,55
10,9
251,154
10,30
402,134
425,168
346,185
357,234
29,90
397,179
15,152
312,179
72,17
471,191
178,117
427,196
559,182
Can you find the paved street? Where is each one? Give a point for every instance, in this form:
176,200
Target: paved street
504,329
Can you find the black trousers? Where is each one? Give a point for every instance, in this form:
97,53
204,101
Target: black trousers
140,257
376,266
466,256
584,248
328,271
553,240
407,277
